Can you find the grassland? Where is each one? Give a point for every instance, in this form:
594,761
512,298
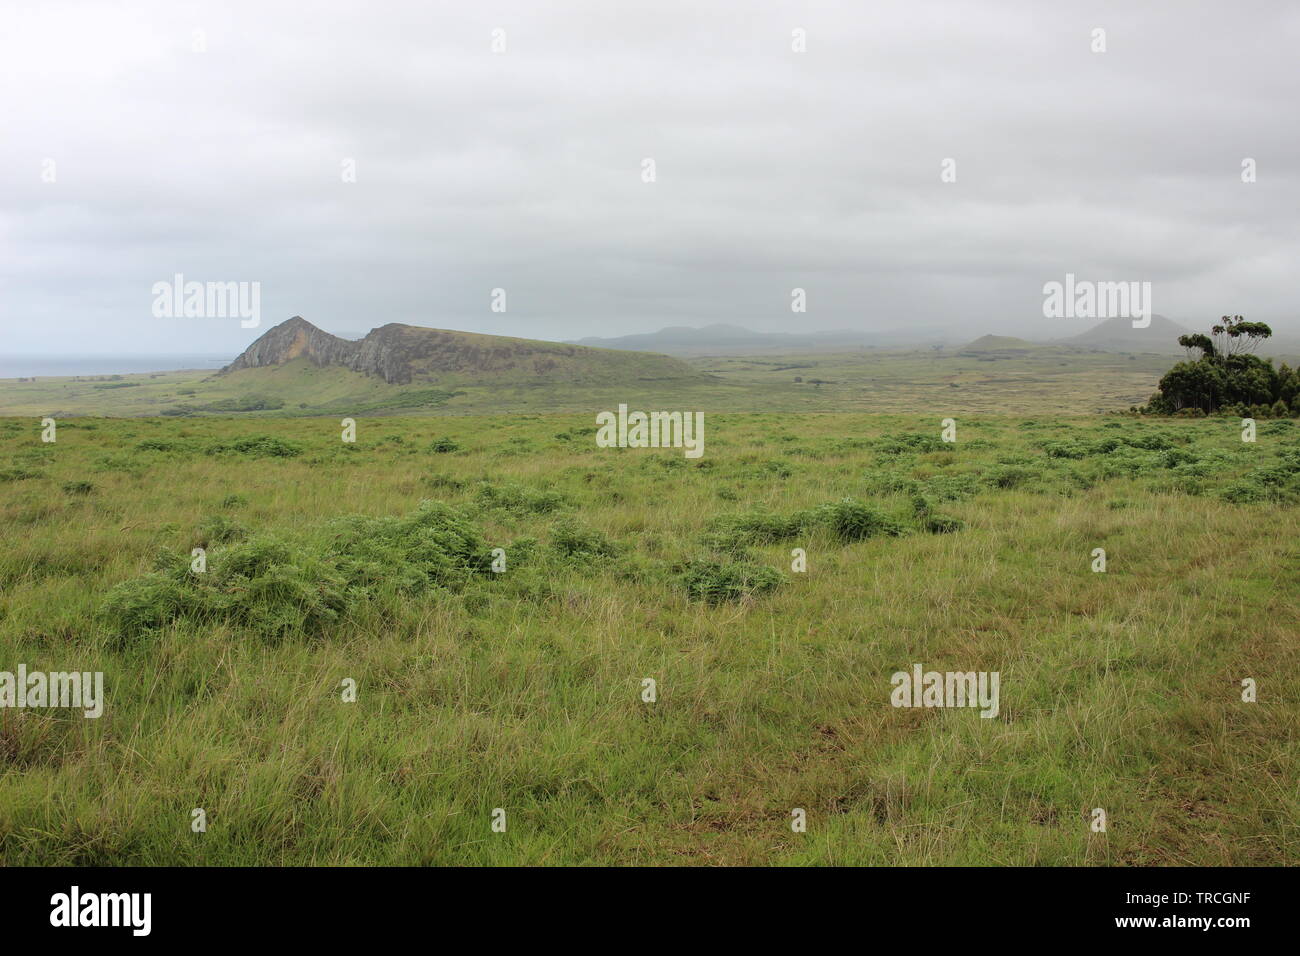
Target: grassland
1047,380
523,689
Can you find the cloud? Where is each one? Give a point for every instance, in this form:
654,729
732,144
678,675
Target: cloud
522,169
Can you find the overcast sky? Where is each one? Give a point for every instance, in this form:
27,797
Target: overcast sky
522,169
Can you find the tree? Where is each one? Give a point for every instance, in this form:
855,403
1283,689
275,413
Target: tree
1234,335
1198,384
1198,341
1226,374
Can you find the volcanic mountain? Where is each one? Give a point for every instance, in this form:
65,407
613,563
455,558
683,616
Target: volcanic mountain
998,343
1119,335
405,354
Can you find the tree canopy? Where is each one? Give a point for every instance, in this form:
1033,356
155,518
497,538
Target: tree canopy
1227,376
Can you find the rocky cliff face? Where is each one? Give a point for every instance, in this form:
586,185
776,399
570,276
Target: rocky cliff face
294,339
391,352
400,354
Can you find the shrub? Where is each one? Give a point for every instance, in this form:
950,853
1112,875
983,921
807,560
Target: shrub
256,446
249,403
1063,449
942,524
911,444
434,546
443,481
714,582
777,469
952,487
156,444
736,532
78,487
851,520
930,520
1010,476
573,540
519,499
219,529
1176,457
1151,442
152,601
1276,476
443,446
1242,493
275,588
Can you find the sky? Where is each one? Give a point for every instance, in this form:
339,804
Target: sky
139,141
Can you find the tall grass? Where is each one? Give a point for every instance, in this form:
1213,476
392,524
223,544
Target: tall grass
521,689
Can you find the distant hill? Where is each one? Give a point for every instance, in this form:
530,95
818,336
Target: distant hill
730,339
1118,335
998,343
408,354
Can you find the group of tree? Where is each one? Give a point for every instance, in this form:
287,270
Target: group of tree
1227,377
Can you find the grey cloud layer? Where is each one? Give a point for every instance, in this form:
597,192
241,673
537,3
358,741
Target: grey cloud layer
522,170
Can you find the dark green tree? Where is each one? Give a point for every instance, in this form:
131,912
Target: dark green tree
1227,373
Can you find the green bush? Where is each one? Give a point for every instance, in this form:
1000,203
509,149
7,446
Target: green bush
1066,449
571,539
1011,476
157,444
737,532
275,588
942,524
952,487
714,582
911,444
219,529
850,520
443,481
136,607
519,499
1242,493
256,446
435,546
930,520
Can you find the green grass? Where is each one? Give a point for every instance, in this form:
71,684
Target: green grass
522,689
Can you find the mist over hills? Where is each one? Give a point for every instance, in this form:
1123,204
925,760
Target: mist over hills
1110,335
1119,335
998,343
722,338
